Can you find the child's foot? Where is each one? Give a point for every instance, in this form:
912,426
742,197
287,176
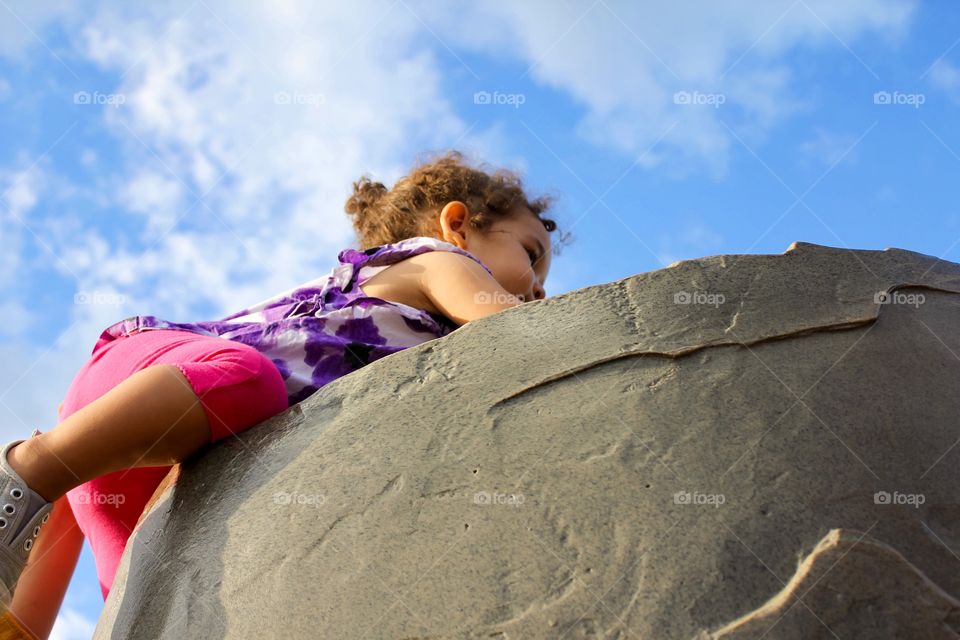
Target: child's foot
22,513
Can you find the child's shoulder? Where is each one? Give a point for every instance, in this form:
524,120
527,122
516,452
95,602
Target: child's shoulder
402,280
398,282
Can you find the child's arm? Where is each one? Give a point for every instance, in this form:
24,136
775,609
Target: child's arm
458,287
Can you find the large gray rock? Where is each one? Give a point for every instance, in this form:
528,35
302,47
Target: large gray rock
777,457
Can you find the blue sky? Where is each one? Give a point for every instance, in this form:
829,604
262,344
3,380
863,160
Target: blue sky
190,159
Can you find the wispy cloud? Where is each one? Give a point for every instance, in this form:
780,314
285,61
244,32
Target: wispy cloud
693,238
946,77
826,148
638,67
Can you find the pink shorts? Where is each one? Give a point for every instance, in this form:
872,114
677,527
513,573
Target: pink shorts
238,388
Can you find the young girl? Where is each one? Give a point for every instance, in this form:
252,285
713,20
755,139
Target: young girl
448,244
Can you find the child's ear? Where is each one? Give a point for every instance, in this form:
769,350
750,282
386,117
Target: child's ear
453,222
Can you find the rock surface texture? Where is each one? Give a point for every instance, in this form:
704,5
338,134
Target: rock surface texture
737,446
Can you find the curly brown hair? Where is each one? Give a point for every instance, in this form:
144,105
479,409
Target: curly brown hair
382,216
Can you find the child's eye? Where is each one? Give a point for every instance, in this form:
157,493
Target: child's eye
533,256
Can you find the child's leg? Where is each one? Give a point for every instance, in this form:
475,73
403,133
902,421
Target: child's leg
151,418
135,407
184,391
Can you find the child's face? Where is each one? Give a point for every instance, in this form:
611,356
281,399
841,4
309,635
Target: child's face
516,249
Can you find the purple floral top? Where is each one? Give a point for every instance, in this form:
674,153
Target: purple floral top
324,328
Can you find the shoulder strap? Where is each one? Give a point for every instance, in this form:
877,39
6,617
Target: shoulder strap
387,254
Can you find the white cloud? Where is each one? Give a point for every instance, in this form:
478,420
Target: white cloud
19,193
88,158
24,22
16,318
19,189
946,77
693,240
702,237
154,194
624,61
828,148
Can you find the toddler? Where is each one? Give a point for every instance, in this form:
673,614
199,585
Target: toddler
449,243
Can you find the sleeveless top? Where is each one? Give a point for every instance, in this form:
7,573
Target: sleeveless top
324,328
